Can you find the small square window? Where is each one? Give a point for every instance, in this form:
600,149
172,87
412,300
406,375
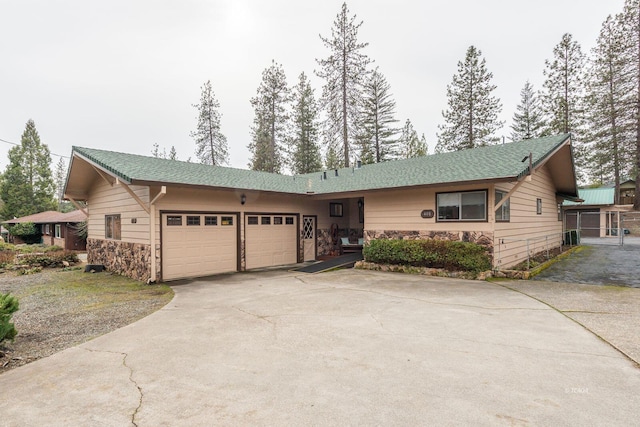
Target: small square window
335,209
210,220
193,220
252,220
289,220
174,220
226,220
277,220
539,206
265,220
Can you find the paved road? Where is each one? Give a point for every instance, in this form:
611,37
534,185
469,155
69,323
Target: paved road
598,264
344,347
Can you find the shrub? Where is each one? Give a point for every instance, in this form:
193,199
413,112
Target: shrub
6,258
456,256
8,306
50,259
27,231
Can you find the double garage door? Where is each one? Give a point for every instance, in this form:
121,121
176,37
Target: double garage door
202,244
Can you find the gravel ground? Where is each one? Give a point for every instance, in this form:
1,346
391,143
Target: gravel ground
52,318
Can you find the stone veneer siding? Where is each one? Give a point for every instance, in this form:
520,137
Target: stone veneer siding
127,259
481,238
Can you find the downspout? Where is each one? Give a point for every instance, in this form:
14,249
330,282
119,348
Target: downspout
152,232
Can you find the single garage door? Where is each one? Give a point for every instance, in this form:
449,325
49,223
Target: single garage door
270,240
589,222
196,245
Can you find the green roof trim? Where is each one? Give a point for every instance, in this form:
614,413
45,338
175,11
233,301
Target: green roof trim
496,162
593,196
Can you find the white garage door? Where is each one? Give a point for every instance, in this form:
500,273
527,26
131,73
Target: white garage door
270,240
196,245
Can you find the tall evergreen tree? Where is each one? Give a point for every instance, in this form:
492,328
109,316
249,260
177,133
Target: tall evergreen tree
410,144
211,144
471,119
610,92
304,147
377,135
28,185
269,131
631,27
562,96
173,154
344,72
528,120
60,177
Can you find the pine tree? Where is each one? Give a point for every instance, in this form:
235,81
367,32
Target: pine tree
377,134
173,154
471,119
528,120
562,96
305,151
410,144
211,144
60,177
610,92
269,131
631,26
344,72
28,185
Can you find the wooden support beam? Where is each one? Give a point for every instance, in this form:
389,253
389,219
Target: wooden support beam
103,175
142,204
160,195
77,206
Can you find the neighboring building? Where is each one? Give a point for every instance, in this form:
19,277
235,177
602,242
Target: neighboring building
597,215
158,219
627,192
57,228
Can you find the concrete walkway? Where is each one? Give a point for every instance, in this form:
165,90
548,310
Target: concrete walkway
344,347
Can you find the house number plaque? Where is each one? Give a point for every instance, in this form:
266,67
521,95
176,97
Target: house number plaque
428,213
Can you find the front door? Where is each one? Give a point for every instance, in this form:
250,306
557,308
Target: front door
309,237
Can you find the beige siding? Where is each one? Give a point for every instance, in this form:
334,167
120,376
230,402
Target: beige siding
400,210
113,199
526,226
183,199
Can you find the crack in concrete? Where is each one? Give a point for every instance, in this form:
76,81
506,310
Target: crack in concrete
440,303
265,318
565,314
131,380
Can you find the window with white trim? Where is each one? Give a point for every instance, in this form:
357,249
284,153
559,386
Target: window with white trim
503,213
462,206
58,231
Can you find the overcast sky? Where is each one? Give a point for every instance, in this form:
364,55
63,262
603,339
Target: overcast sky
122,75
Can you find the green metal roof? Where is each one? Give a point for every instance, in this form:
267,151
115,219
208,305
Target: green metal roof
593,196
505,161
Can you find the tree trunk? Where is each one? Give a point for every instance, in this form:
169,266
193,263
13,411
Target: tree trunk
636,200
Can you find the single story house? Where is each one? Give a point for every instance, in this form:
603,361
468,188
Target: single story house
57,228
159,219
596,215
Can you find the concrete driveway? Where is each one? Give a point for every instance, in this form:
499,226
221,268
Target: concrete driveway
345,347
